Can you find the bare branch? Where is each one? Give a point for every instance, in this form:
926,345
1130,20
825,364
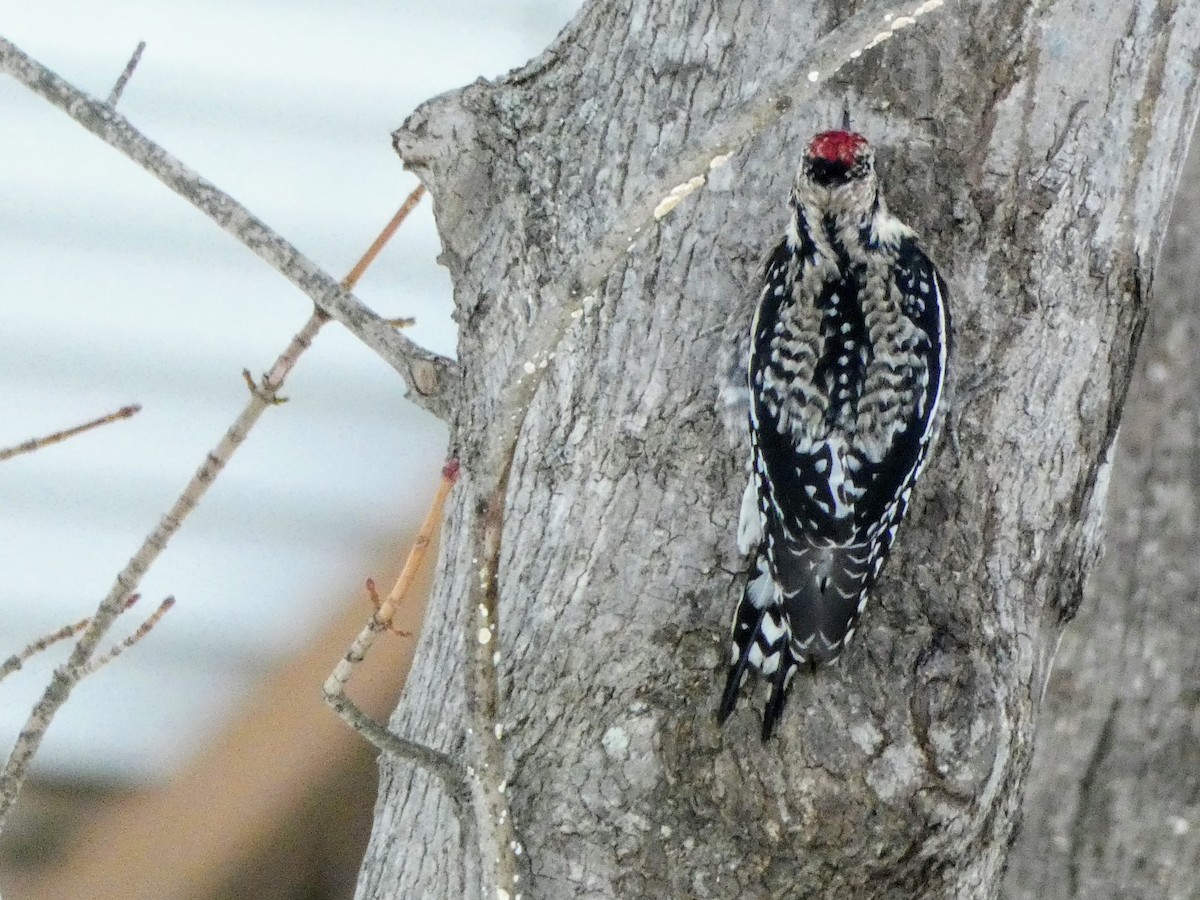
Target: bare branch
263,394
334,689
144,629
77,666
38,443
431,378
17,660
119,87
436,763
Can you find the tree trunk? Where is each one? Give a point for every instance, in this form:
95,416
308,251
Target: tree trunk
1036,148
1113,806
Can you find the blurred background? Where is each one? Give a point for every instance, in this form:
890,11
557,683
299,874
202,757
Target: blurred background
202,763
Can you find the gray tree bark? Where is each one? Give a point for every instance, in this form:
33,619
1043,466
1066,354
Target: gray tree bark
1036,148
1113,803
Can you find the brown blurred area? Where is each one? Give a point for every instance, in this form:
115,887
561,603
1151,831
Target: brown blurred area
278,805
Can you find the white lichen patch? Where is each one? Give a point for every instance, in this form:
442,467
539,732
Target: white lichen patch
866,737
896,773
814,76
878,39
719,160
616,742
773,830
892,24
484,636
529,367
676,194
665,205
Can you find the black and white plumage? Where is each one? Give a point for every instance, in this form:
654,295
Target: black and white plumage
845,372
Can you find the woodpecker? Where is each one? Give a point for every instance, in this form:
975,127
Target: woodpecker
844,374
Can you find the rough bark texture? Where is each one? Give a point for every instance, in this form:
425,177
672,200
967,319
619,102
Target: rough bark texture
1036,147
1113,806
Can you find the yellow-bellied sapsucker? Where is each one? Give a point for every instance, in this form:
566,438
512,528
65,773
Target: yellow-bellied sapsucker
845,367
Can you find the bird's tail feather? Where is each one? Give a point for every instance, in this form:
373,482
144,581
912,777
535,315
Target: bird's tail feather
761,640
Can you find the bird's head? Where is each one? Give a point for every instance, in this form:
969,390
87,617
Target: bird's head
836,158
837,176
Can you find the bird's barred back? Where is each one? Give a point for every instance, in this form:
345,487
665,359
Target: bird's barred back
846,364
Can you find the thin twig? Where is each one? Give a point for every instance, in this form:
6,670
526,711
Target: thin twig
384,617
431,378
17,660
389,230
334,688
67,676
38,443
116,650
436,763
119,87
262,395
385,611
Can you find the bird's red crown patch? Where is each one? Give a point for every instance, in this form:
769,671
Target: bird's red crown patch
837,146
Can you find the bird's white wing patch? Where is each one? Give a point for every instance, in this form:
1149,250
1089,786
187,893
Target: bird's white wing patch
750,526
